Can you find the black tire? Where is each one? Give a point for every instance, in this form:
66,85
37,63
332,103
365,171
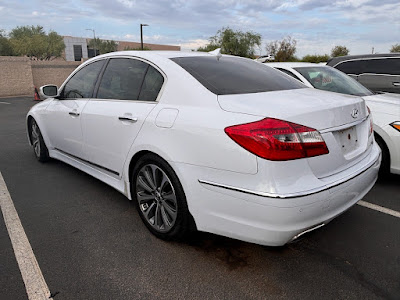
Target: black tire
384,170
165,196
38,145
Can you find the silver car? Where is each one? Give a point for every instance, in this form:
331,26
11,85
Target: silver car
378,72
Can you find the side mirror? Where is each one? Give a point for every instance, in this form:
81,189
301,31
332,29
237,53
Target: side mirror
48,91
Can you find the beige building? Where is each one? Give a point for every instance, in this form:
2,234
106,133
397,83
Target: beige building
77,49
133,45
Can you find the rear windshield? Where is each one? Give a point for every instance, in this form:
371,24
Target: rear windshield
232,75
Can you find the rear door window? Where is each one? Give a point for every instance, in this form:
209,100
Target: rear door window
152,84
122,79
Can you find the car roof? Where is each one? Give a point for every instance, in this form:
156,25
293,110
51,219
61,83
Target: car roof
335,60
159,58
149,54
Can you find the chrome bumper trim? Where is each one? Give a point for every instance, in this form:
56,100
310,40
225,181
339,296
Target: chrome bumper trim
292,195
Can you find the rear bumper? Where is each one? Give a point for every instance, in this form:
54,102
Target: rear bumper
296,194
275,221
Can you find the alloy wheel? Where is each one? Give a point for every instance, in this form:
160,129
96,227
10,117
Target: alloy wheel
156,197
35,138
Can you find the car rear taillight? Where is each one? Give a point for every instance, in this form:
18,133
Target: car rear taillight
275,139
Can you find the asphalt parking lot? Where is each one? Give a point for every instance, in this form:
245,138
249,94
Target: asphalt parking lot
90,242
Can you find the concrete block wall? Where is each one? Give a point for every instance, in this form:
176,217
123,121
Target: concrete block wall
51,72
15,76
19,75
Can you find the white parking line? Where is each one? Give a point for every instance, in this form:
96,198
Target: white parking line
35,285
4,103
380,209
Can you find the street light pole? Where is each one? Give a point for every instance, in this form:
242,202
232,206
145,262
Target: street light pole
141,34
94,41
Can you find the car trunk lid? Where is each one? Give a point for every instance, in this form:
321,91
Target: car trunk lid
341,119
309,107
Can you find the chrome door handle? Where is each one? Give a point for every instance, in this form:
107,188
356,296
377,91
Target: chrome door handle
396,83
126,119
74,114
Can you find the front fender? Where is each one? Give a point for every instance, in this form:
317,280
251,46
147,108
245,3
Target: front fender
37,112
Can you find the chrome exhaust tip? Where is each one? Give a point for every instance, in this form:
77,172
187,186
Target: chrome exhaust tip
306,231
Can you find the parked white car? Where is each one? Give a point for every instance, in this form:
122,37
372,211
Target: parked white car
265,58
385,107
216,143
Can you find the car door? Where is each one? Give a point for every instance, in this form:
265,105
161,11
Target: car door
382,75
126,94
63,115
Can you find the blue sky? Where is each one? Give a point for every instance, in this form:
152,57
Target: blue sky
317,25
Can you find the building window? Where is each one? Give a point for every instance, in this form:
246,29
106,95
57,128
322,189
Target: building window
78,52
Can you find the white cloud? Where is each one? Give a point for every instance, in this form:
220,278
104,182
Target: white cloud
317,24
385,14
194,44
130,37
351,3
127,3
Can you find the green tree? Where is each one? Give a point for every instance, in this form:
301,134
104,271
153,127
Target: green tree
5,45
316,58
55,45
208,48
395,48
21,32
234,42
103,46
283,50
339,51
33,42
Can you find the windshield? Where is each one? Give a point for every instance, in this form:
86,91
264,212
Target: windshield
330,79
233,75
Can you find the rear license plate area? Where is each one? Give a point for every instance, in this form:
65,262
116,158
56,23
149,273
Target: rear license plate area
348,139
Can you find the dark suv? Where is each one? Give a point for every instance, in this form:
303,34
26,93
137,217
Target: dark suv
378,72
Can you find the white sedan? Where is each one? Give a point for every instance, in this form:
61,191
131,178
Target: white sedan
385,107
215,143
